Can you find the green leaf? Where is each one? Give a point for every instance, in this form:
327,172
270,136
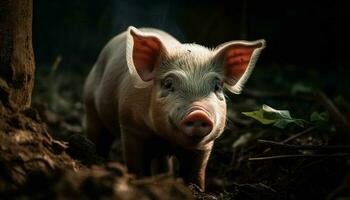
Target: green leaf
259,115
279,118
320,120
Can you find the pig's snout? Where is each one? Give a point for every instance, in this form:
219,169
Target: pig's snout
196,124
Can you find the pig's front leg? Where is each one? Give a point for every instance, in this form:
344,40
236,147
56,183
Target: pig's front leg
135,153
162,165
192,166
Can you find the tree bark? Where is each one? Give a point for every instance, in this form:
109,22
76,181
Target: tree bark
16,54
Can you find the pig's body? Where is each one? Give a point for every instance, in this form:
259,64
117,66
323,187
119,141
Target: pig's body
130,94
109,81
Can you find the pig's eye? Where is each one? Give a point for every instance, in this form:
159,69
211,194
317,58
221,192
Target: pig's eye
168,84
218,85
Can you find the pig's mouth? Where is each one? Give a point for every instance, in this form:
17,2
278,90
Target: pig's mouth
187,142
188,127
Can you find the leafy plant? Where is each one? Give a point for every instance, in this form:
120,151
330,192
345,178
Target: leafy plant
281,118
320,120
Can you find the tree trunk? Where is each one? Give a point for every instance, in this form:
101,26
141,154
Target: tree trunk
16,54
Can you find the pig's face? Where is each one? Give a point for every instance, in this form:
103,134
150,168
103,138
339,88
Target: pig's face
188,105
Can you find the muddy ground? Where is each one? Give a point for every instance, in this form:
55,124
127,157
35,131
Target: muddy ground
45,156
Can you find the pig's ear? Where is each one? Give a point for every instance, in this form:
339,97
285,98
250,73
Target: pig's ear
238,59
143,52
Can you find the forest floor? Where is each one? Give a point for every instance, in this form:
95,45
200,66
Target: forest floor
302,156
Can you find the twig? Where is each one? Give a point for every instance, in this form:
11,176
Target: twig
55,65
341,101
305,147
298,135
299,156
340,121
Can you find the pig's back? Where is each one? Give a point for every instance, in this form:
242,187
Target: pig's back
110,78
105,79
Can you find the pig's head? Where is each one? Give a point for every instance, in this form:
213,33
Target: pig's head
188,105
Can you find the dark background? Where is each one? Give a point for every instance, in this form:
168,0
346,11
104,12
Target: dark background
310,34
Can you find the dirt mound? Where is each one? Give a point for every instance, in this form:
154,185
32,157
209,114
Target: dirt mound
100,182
26,147
33,165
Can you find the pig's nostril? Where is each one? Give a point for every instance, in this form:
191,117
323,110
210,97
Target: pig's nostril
197,124
189,123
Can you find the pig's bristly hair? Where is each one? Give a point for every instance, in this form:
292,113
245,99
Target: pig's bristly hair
190,58
193,64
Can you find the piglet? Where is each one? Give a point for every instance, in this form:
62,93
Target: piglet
163,99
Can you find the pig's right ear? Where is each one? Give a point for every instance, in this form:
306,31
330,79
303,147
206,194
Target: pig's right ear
143,52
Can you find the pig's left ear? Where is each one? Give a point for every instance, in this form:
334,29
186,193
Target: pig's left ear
143,52
238,59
